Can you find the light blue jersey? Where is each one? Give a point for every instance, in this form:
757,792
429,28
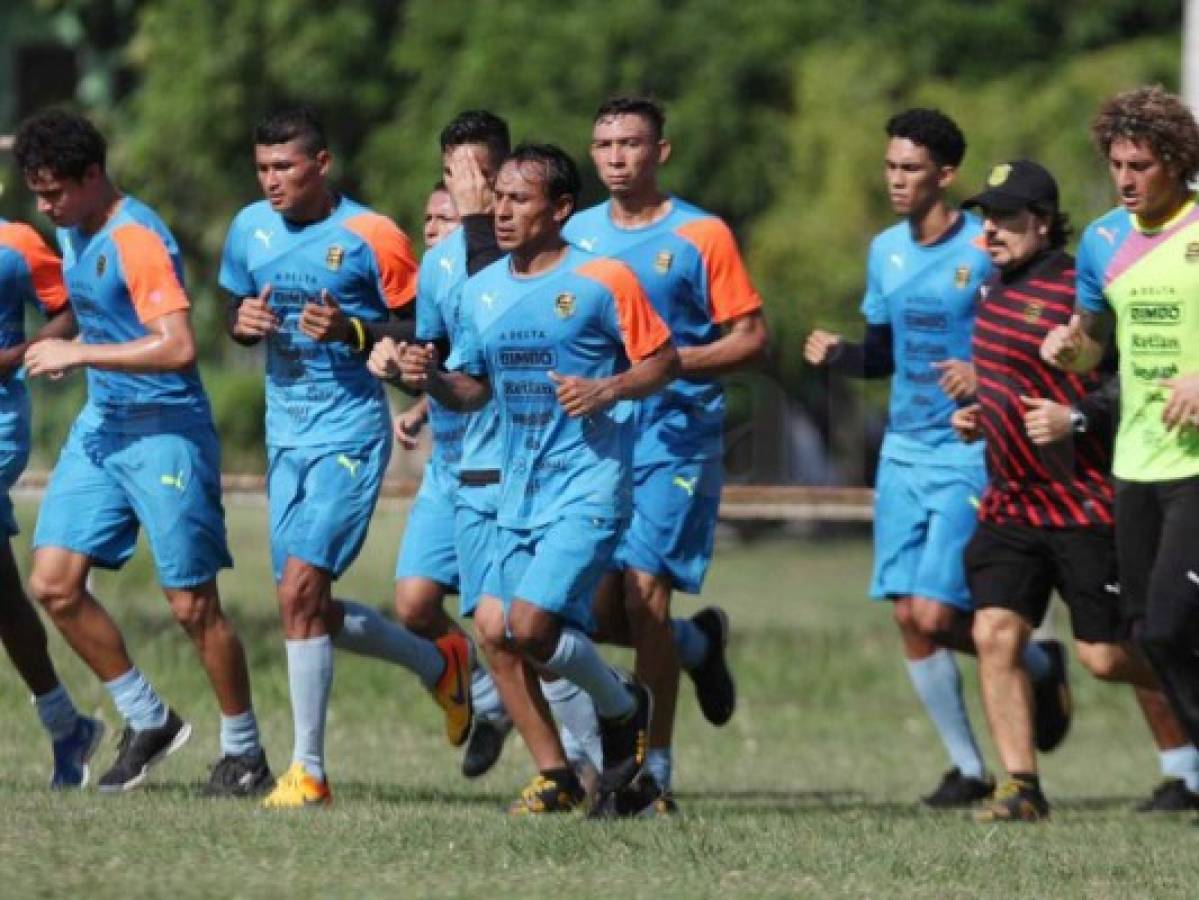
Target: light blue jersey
927,296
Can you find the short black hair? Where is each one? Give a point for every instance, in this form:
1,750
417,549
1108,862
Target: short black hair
561,174
933,130
297,122
632,105
439,186
61,142
478,126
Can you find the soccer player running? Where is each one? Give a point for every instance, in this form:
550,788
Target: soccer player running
1138,274
447,545
922,277
142,452
560,339
687,261
1046,515
321,277
30,273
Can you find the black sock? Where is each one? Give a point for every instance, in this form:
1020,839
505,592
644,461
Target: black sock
565,777
1027,780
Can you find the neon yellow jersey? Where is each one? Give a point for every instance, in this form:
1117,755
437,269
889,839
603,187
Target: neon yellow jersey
1150,281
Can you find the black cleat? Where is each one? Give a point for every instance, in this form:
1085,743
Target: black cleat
139,751
957,790
642,799
241,775
624,742
714,687
1015,801
1052,702
1172,795
484,746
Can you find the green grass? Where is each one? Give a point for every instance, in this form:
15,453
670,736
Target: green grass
808,791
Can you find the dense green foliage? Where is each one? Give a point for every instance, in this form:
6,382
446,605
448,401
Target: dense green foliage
775,107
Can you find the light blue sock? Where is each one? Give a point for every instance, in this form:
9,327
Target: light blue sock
239,734
939,686
57,712
575,713
1182,762
659,761
367,632
485,698
1037,661
690,643
137,701
310,678
576,660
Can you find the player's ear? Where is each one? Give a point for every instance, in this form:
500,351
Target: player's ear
324,161
564,207
664,150
946,176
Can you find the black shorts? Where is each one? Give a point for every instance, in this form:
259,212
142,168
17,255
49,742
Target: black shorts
1157,540
1016,567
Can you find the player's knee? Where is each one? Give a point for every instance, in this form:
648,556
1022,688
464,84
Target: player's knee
416,611
194,611
58,592
931,620
299,595
648,604
997,632
532,631
905,617
489,624
1105,661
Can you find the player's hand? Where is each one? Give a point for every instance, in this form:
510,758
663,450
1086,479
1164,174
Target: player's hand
255,319
53,357
1183,406
324,322
407,425
384,361
1045,421
965,422
819,347
1062,344
471,192
958,378
582,396
417,365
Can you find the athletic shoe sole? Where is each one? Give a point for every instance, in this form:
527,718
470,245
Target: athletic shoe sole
178,741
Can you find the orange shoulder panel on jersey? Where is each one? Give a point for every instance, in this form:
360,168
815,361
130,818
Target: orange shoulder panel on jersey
393,255
642,327
730,292
45,268
149,273
980,241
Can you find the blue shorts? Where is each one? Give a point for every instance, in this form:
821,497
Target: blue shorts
674,522
924,516
555,567
12,464
427,549
106,484
321,501
475,537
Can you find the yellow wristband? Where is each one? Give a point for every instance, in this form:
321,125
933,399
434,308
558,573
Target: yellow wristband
359,334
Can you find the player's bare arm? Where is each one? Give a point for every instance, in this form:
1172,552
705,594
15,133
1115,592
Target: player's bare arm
585,396
1078,346
819,346
1183,406
958,378
169,347
324,322
742,346
420,370
406,427
965,422
60,325
1045,421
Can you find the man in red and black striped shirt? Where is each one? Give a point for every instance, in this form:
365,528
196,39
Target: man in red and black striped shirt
1046,515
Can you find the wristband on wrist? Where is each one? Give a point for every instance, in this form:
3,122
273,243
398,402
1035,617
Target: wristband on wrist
359,342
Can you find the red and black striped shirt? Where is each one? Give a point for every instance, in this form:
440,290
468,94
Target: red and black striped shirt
1060,485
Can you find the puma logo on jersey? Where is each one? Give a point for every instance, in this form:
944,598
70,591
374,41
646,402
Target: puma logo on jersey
175,481
487,299
348,464
447,264
587,244
1107,234
687,484
264,236
897,260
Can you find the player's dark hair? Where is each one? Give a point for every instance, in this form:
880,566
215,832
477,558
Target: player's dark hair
439,187
292,123
632,105
560,172
61,142
932,130
1060,228
478,126
1153,116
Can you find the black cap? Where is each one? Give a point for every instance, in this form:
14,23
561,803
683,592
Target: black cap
1016,185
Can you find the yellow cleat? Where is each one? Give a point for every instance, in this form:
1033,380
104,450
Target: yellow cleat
545,795
296,789
452,691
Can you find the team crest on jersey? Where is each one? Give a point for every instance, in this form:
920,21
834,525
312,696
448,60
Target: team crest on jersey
961,277
1192,254
101,264
564,305
1032,311
662,261
334,258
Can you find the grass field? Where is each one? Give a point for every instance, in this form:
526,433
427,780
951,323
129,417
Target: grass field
810,790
